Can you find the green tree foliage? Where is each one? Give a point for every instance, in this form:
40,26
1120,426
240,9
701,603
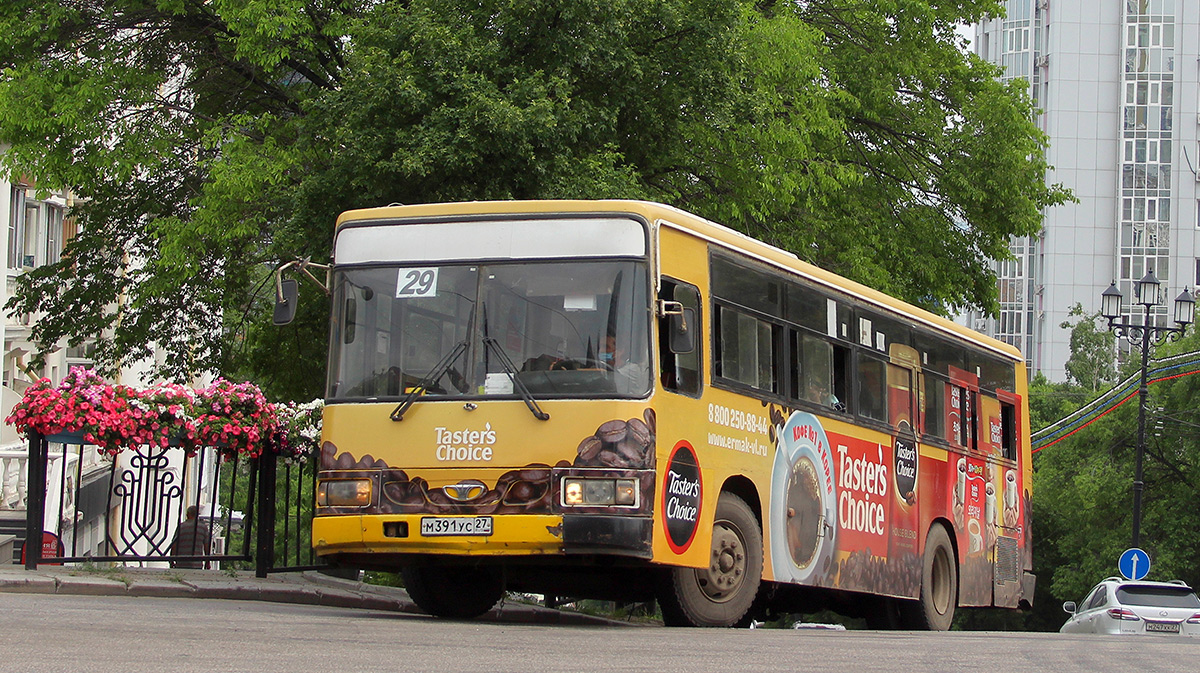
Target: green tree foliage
208,140
1091,363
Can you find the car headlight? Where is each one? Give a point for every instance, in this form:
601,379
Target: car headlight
583,492
344,493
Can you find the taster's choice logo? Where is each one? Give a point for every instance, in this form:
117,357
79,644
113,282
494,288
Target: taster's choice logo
905,468
465,444
682,496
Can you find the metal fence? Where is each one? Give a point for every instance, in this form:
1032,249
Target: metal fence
250,513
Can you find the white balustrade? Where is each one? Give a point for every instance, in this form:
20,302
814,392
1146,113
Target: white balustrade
14,476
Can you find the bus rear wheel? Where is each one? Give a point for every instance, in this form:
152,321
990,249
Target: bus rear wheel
939,585
722,593
453,592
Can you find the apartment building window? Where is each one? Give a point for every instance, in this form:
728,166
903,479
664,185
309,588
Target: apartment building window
54,233
35,231
1016,39
16,228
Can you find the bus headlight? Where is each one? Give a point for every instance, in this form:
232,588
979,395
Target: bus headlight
344,493
582,492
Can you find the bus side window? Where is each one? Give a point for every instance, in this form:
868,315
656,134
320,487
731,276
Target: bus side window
1008,431
841,375
934,412
967,429
812,370
872,389
680,372
746,348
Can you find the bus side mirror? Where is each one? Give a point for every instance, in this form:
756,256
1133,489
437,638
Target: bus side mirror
285,301
1069,607
682,330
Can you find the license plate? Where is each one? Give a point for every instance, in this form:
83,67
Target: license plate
432,526
1162,627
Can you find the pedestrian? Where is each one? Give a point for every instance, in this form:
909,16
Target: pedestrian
192,538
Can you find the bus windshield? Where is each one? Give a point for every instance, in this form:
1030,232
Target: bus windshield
560,329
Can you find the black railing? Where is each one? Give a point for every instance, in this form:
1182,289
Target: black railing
146,499
295,491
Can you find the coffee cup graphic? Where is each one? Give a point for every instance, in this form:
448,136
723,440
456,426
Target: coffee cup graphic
803,513
1010,489
975,536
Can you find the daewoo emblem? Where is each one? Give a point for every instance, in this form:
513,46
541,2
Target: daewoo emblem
465,491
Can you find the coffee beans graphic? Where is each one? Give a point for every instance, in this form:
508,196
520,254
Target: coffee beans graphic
620,444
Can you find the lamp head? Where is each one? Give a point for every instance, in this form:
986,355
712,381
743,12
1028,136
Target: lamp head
1110,302
1146,289
1185,308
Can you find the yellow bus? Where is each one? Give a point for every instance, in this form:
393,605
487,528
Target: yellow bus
621,400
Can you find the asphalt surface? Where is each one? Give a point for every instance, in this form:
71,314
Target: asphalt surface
308,588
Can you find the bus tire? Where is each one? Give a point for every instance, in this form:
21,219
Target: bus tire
722,593
453,592
934,611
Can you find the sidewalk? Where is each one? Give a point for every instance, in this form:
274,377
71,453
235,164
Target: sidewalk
308,588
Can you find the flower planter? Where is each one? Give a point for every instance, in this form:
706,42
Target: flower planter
66,438
234,418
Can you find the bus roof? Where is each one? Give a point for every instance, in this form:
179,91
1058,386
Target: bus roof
698,226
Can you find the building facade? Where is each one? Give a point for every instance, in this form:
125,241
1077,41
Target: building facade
1118,86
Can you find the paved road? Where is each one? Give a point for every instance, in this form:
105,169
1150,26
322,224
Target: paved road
70,633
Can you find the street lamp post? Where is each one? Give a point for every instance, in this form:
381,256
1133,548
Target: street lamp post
1146,294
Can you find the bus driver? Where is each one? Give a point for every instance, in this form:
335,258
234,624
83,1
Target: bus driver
629,376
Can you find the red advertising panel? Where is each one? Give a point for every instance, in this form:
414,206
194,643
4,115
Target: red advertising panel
837,518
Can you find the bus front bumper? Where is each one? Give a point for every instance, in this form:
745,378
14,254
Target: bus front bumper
511,535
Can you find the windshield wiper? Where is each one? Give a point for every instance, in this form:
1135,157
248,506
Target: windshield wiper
511,369
438,371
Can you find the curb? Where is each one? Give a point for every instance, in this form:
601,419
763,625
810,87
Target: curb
304,588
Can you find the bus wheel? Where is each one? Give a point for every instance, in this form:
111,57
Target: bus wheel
939,585
722,593
453,592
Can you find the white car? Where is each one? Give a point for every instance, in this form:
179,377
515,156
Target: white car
1118,606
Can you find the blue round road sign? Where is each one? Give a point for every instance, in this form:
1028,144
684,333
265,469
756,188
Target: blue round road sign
1134,564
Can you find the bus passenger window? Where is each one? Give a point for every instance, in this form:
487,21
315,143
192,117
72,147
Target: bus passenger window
1008,431
872,389
746,348
841,376
814,357
934,412
963,402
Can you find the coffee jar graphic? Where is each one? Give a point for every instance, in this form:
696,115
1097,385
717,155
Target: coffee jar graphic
803,514
905,517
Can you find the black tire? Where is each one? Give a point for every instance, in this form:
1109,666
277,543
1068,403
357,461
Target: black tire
723,593
453,592
939,585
